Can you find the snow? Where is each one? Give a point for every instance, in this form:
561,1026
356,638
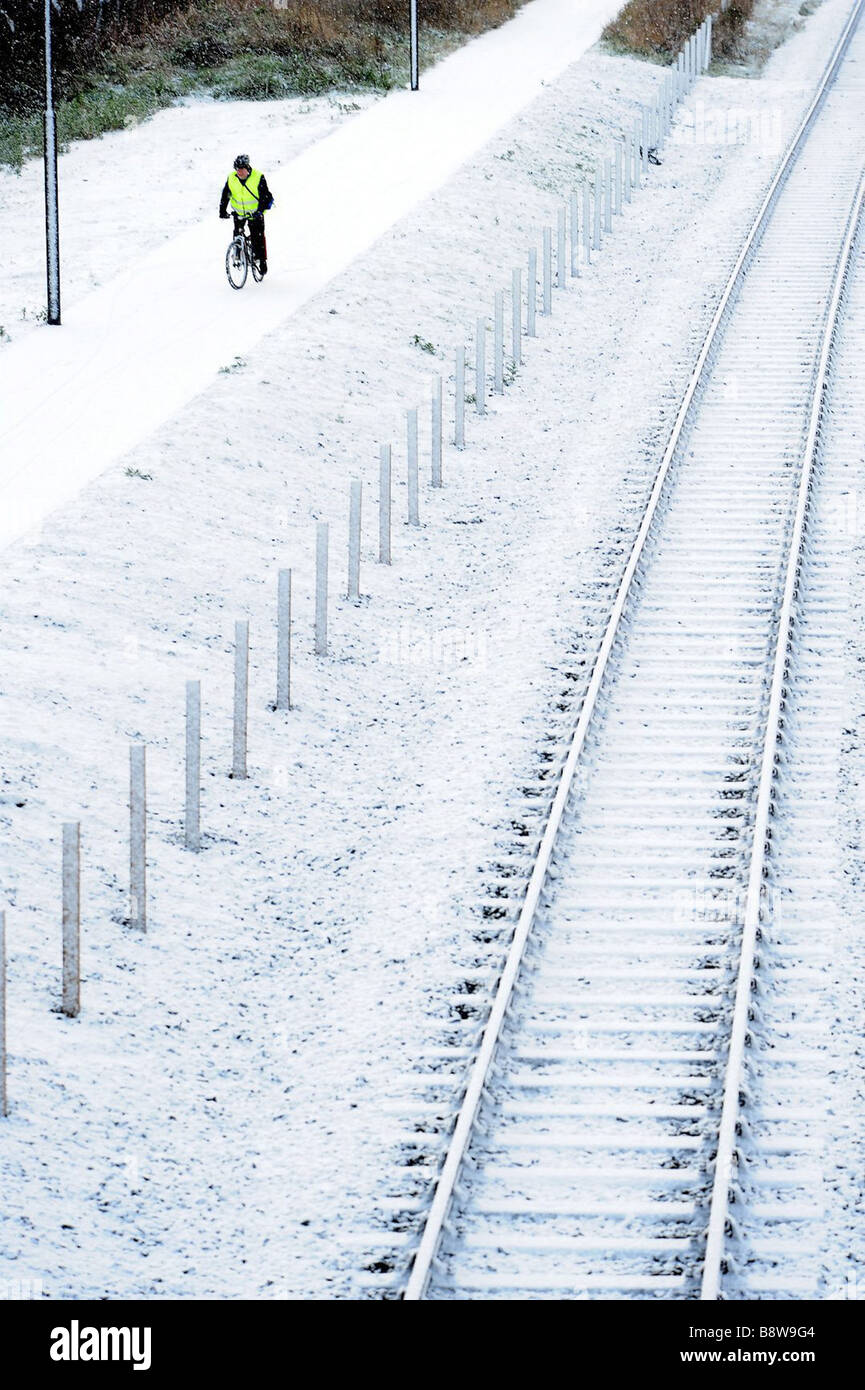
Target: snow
160,320
828,864
235,1098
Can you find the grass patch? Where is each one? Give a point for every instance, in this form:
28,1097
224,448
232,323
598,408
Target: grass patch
113,74
91,112
658,28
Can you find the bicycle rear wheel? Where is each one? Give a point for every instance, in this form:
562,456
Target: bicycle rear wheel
236,263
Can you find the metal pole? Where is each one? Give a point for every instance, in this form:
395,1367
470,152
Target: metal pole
52,215
561,241
548,270
283,640
192,829
414,45
617,183
532,294
575,235
384,505
241,697
499,344
138,836
321,535
355,498
460,399
71,919
517,315
480,366
4,1095
412,479
608,195
596,240
436,433
587,221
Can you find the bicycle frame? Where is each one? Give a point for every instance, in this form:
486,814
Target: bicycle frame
236,272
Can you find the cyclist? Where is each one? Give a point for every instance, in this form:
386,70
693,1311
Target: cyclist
247,191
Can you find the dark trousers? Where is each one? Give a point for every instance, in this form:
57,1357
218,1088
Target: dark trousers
256,233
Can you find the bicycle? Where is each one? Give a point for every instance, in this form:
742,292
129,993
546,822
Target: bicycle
239,259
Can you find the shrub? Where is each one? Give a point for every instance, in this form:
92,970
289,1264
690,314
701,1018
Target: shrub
660,27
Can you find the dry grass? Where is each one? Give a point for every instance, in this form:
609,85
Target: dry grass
467,16
660,27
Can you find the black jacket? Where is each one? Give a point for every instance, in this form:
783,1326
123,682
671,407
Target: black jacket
265,197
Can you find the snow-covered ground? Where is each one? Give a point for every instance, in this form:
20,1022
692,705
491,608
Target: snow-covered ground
216,1121
135,351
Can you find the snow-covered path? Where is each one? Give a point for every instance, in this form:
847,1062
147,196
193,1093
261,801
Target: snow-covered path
131,354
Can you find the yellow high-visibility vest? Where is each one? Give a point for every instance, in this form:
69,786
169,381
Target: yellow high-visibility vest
244,196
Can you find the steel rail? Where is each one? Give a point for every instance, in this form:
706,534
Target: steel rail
446,1183
726,1158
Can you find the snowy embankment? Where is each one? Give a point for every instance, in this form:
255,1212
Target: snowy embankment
214,1123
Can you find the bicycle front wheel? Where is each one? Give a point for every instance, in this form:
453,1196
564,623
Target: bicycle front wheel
236,264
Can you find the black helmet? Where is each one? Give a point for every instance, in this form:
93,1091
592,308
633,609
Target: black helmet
242,162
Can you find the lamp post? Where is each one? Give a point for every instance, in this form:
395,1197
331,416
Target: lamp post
52,225
414,45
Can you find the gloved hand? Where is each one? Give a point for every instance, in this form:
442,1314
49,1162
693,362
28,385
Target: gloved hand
224,216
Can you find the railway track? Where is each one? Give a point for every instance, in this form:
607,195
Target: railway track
634,1122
